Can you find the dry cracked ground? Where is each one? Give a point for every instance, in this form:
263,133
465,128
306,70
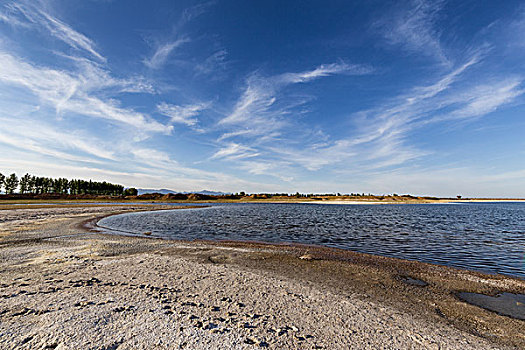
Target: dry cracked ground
65,287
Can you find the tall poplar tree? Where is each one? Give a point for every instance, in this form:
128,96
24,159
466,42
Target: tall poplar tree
11,184
2,179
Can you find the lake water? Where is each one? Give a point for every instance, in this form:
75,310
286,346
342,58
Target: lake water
489,237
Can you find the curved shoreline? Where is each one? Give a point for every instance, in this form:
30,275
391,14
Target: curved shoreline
409,268
309,251
110,230
340,276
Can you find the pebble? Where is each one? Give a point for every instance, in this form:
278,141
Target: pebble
306,257
250,341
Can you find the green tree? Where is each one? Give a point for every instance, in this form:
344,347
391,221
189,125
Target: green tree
25,183
2,179
65,185
130,192
40,185
47,185
31,184
11,183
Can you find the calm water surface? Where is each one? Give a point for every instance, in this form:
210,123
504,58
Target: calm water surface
484,236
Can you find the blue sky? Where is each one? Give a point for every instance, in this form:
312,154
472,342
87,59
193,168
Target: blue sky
421,97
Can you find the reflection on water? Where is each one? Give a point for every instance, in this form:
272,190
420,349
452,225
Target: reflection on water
507,304
487,237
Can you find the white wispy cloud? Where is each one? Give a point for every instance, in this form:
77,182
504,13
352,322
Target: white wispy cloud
315,158
34,164
214,63
70,36
447,181
254,107
89,90
510,28
158,163
10,18
77,113
183,114
276,169
162,53
380,136
146,177
35,136
234,151
413,27
195,11
482,100
256,99
426,92
261,114
66,93
153,156
163,48
324,70
35,15
95,77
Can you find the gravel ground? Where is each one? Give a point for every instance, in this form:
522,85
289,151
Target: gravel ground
62,287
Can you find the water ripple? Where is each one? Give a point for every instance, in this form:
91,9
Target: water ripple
487,237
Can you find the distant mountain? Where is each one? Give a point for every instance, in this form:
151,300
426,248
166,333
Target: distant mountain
148,190
210,193
166,191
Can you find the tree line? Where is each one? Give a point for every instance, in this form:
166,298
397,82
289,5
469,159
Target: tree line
40,185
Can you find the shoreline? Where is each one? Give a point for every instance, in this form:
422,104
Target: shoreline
92,226
8,203
342,275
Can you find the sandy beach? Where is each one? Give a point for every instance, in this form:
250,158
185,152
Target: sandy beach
65,286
